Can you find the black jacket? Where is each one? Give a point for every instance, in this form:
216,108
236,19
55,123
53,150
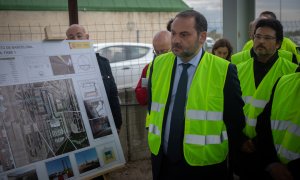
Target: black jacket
111,89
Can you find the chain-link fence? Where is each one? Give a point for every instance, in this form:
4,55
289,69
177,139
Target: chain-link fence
126,73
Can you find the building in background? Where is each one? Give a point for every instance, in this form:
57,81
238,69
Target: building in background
105,21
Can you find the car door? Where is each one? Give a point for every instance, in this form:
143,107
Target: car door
127,62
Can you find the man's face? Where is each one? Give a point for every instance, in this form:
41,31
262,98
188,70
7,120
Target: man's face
185,40
76,33
265,44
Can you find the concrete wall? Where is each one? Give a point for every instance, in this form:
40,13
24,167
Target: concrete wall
133,135
102,26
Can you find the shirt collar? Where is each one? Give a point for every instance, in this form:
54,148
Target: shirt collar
194,61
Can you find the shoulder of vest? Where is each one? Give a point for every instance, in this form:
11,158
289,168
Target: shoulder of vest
284,60
250,60
167,56
241,53
216,59
163,61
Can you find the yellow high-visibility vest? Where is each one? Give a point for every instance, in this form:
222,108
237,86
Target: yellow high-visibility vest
205,139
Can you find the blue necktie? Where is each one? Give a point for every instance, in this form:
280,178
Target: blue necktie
175,143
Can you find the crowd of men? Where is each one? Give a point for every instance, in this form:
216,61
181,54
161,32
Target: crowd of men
209,118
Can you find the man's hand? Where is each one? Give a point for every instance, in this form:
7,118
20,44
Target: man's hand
248,146
279,171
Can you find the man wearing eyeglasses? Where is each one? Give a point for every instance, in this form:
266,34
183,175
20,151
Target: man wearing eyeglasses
257,76
161,44
248,52
287,44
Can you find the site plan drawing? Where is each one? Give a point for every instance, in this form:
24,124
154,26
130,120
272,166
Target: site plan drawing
55,120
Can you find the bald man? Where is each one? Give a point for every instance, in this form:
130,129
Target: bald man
161,44
78,32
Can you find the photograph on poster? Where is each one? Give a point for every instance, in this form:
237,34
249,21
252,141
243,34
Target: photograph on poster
62,65
39,121
38,67
23,174
59,168
87,160
108,155
98,118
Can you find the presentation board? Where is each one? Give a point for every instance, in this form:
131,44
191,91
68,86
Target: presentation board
55,119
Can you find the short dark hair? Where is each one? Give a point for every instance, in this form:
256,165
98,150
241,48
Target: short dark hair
200,20
169,24
223,43
273,24
268,13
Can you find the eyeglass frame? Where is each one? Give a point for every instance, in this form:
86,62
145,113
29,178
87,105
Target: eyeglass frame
265,37
161,51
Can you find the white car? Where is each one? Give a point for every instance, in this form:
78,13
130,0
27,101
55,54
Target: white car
127,60
209,42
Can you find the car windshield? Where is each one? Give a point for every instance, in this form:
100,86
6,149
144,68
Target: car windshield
123,52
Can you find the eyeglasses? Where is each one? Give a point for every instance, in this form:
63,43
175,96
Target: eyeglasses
267,38
159,52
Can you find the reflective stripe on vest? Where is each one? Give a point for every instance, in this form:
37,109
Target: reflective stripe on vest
255,102
285,125
204,115
251,122
286,154
285,118
205,140
256,98
156,106
154,129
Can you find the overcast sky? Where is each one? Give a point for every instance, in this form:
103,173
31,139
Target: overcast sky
212,10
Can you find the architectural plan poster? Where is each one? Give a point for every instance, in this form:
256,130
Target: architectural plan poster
55,119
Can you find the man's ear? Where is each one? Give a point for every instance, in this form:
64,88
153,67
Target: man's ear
87,36
202,37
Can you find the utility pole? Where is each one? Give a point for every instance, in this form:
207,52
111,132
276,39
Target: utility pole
280,10
73,12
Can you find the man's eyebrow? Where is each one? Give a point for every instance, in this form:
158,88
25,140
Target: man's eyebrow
184,32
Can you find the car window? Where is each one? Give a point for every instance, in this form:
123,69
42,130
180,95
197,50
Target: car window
137,52
123,52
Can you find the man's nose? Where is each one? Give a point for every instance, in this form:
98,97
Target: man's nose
175,39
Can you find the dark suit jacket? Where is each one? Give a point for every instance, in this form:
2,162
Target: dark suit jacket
111,89
233,117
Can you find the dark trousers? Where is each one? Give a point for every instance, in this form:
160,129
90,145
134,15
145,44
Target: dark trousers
249,167
182,170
